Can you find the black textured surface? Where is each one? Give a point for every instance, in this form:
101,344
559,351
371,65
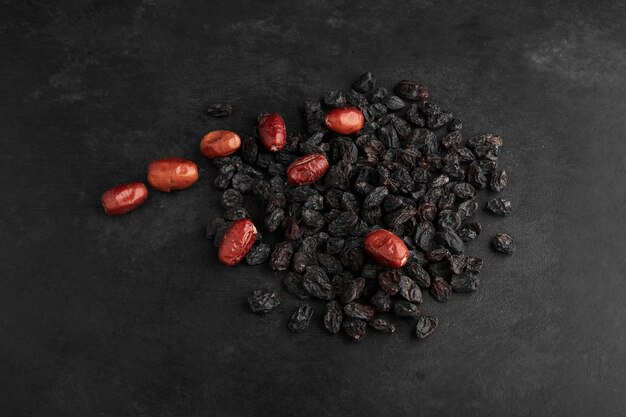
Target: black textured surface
133,316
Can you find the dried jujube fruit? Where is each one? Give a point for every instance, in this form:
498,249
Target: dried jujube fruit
124,198
220,143
172,174
344,120
237,242
273,132
307,169
386,248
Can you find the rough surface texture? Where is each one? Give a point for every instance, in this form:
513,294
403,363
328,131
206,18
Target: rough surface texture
134,316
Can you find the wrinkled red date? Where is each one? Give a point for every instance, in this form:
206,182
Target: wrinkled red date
124,198
172,174
386,248
237,242
345,120
219,143
307,169
273,132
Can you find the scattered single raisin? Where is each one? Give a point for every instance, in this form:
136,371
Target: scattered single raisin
300,319
500,206
263,301
425,326
503,243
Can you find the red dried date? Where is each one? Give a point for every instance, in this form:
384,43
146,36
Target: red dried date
386,248
172,174
237,242
124,198
307,169
219,143
345,120
273,132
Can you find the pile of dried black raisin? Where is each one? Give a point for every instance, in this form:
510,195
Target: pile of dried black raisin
408,170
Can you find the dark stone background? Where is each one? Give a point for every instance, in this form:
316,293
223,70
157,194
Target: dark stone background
133,316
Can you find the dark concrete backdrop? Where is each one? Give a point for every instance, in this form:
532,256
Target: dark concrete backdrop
133,316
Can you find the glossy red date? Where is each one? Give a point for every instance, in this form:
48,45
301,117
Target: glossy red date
237,242
386,248
345,120
172,174
124,198
273,132
219,143
307,169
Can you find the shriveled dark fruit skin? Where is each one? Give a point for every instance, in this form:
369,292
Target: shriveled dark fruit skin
273,221
409,290
470,231
438,255
451,240
486,139
414,270
382,326
411,90
317,284
352,290
293,231
333,317
359,311
389,281
294,283
440,289
219,110
498,180
375,197
335,98
381,301
216,224
263,301
281,257
236,213
500,206
473,265
354,328
301,260
425,326
464,283
405,309
300,319
365,84
231,198
259,254
457,263
503,243
467,209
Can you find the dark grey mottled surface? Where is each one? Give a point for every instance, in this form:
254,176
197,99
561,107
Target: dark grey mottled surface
133,316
